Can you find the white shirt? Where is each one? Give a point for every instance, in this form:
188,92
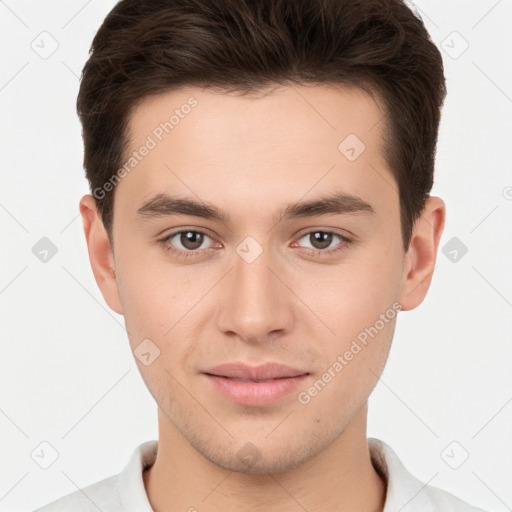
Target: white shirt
125,492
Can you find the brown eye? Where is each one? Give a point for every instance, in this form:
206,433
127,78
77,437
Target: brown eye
186,242
324,243
191,240
320,239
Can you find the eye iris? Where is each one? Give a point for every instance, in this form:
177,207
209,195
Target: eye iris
321,238
191,240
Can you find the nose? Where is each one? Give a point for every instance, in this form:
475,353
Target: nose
255,304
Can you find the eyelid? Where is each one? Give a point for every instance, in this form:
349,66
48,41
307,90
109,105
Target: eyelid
345,241
347,235
165,240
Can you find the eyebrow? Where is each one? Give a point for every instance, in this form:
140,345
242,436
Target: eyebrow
339,203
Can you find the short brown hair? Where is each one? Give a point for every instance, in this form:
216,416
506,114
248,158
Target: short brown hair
146,47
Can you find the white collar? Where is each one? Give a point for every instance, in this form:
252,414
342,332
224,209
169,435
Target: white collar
404,491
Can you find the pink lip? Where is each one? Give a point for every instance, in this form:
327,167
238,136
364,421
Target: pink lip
232,380
263,371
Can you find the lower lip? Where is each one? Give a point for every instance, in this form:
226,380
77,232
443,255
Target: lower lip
255,393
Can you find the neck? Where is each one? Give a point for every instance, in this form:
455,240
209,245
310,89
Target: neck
340,478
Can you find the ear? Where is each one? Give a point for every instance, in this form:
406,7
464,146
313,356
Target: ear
100,253
420,258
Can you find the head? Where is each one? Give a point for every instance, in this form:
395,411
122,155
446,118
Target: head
261,113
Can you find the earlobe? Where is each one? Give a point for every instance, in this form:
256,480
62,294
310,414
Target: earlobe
420,259
100,253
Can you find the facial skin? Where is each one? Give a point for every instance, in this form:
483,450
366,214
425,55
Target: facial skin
252,156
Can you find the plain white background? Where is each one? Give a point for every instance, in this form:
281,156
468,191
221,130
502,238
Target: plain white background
67,376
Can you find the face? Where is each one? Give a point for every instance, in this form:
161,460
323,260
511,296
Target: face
314,288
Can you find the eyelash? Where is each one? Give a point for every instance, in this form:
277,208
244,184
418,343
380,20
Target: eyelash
164,242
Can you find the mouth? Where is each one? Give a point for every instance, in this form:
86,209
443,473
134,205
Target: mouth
264,372
254,380
254,386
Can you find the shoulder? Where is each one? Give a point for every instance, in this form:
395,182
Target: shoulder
102,495
405,491
115,493
447,502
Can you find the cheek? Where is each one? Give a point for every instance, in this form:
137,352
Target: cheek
350,296
357,301
162,302
146,294
354,357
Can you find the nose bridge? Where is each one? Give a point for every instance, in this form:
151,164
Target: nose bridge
254,304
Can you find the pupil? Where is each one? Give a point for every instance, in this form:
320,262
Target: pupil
322,240
192,240
187,239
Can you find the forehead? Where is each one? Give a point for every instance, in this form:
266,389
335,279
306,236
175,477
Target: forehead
285,143
300,113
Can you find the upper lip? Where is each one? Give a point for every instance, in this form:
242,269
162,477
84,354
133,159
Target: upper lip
264,371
